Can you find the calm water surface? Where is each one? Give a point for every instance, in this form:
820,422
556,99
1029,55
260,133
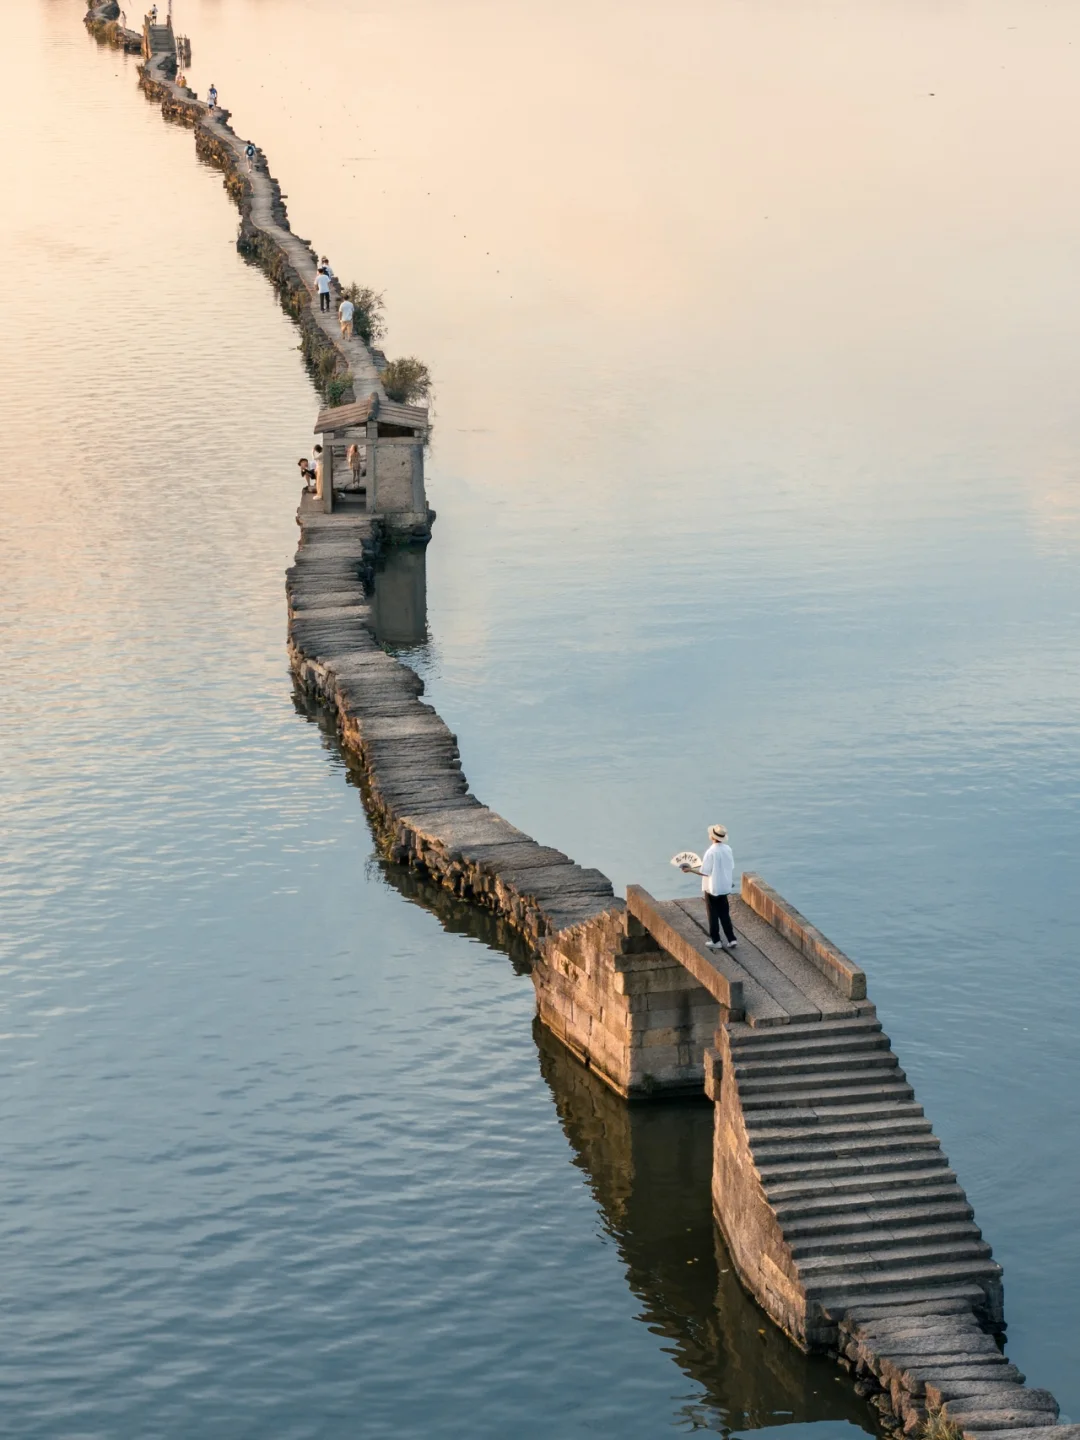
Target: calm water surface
758,484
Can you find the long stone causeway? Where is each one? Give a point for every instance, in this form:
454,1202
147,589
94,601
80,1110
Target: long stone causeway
841,1213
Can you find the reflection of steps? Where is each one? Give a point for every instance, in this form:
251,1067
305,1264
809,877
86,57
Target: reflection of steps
849,1165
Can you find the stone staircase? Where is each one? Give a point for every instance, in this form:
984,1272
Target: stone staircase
159,40
852,1171
875,1230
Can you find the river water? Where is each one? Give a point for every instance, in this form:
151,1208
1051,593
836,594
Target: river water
757,467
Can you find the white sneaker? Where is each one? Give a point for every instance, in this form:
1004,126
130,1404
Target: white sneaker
731,945
713,945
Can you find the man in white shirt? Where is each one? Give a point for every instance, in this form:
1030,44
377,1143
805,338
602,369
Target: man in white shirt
322,285
345,315
717,871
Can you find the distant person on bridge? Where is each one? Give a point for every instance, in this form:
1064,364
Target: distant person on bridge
322,285
717,871
326,266
356,464
345,315
153,14
211,96
249,151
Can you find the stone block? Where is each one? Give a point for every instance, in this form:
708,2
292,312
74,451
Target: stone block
983,1422
973,1394
714,1070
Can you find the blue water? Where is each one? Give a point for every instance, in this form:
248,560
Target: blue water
769,526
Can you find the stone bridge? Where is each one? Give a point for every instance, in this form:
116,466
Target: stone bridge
839,1207
837,1202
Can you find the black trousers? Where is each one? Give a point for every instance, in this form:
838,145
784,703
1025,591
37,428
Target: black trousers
719,913
324,300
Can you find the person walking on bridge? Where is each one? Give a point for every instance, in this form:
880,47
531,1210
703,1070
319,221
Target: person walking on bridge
717,871
249,151
345,315
322,285
211,96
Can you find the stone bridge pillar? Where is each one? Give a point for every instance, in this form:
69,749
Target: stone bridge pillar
625,1007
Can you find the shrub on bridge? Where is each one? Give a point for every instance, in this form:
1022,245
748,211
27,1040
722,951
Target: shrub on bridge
369,323
406,380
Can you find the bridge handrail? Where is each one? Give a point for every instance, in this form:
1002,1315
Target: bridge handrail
718,973
807,938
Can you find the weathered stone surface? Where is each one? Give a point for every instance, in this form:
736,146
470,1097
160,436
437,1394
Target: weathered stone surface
1041,1432
972,1395
992,1421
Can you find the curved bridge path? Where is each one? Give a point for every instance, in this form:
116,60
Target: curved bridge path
842,1214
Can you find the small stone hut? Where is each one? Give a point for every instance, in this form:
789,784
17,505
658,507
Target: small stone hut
391,438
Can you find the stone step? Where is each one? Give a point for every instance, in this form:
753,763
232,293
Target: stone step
835,1147
860,1318
878,1238
828,1135
888,1217
821,1099
864,1283
762,1121
976,1367
816,1090
739,1033
957,1394
921,1159
1026,1432
814,1065
917,1300
878,1184
993,1422
777,1041
891,1255
939,1189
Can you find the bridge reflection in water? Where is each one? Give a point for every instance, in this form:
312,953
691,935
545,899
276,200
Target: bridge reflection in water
400,609
649,1167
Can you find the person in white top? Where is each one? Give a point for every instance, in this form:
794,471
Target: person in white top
717,871
345,315
322,285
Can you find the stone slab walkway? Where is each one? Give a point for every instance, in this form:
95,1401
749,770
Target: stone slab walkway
303,259
420,801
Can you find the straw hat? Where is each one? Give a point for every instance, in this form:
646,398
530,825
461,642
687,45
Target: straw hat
717,833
